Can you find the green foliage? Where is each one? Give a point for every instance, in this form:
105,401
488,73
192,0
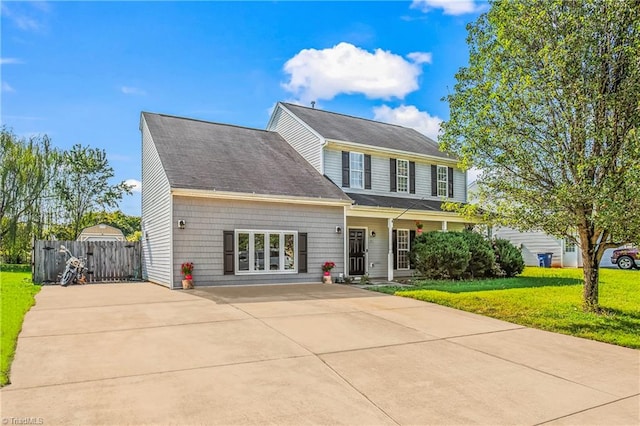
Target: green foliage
17,296
27,166
508,258
548,299
483,258
441,255
84,185
548,109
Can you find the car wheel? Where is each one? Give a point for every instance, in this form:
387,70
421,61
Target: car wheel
625,262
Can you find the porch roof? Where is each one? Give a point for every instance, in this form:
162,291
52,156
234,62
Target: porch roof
395,202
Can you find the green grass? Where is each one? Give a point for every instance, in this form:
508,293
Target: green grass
17,296
548,299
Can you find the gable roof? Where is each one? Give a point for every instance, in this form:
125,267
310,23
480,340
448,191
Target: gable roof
339,127
201,155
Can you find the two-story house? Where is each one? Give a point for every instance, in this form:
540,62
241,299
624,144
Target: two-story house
251,206
396,177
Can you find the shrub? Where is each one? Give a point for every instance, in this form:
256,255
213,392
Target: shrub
483,258
441,255
508,258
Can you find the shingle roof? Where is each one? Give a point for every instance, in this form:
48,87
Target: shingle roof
211,156
395,202
331,125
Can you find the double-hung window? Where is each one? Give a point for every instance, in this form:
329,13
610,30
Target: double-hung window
356,170
402,175
443,182
402,251
266,251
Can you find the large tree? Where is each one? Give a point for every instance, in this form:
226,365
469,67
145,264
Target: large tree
549,109
27,166
84,185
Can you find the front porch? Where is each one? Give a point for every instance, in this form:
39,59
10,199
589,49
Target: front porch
378,240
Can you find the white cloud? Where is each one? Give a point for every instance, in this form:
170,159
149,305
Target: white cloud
449,7
20,16
7,61
135,184
420,57
6,87
345,68
128,90
410,116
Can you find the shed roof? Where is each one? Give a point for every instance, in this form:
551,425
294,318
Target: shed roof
340,127
102,229
203,155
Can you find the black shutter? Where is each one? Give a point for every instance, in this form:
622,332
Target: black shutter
392,175
412,236
229,254
434,180
395,249
412,177
367,171
345,169
450,182
302,252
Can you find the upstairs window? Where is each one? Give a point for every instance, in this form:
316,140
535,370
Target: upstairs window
443,181
402,175
356,170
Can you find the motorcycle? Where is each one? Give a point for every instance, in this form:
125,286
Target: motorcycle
75,270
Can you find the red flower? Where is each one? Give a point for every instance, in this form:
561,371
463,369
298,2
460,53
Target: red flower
187,269
328,266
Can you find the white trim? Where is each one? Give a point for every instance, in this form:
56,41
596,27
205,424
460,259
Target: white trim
251,252
438,181
408,268
366,249
172,230
228,195
295,117
353,153
376,150
390,250
392,213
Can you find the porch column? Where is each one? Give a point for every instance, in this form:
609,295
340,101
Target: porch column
444,226
390,255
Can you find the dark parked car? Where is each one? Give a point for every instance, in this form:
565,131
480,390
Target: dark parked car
627,258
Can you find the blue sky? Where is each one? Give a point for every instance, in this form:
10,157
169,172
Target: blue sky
82,72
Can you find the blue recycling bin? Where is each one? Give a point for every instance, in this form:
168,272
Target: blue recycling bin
544,260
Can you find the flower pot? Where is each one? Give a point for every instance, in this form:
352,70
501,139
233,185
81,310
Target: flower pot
326,279
419,231
187,284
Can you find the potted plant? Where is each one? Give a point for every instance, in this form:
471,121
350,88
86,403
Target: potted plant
419,226
326,268
187,271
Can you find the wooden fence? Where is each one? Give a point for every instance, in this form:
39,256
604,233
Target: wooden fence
106,261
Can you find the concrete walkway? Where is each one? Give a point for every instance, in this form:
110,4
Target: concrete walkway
301,354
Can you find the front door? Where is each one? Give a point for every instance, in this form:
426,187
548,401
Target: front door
356,251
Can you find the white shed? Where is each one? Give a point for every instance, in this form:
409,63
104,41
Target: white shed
101,232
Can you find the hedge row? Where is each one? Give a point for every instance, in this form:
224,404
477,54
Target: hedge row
463,255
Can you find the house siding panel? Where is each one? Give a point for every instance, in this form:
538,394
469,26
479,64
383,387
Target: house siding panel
298,136
201,241
532,243
380,178
156,214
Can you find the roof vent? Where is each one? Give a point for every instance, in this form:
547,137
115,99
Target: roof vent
313,104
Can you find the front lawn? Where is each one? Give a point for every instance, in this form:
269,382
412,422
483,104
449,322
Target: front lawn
17,296
548,299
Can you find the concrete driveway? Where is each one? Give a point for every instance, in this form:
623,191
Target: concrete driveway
301,354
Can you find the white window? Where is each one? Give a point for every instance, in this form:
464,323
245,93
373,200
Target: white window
402,175
402,250
443,181
266,251
569,246
356,170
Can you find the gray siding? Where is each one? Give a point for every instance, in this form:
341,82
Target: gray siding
532,243
380,178
201,242
298,136
156,214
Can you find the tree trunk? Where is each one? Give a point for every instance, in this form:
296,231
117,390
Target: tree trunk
591,272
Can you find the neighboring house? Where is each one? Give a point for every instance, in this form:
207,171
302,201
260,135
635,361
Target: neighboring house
101,232
271,206
565,252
